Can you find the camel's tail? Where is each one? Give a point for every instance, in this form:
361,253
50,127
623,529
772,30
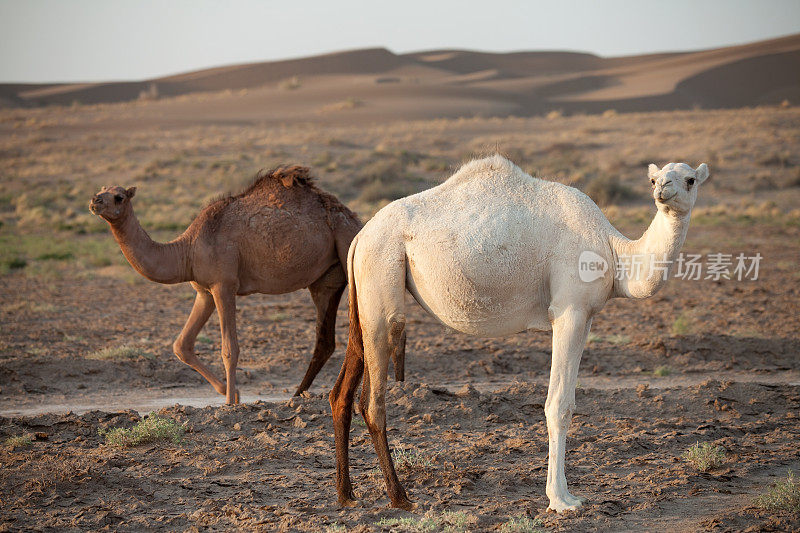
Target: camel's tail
355,342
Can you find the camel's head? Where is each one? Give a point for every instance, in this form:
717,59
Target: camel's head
675,186
112,203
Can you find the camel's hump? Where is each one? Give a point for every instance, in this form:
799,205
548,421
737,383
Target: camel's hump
494,168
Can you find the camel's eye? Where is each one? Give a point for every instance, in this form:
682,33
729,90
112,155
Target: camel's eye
118,198
690,182
653,181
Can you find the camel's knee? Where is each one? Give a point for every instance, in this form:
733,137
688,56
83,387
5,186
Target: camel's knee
374,413
559,413
184,351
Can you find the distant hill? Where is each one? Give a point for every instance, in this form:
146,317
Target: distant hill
376,84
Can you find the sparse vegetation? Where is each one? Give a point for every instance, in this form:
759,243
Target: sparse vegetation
448,522
608,189
662,371
280,316
18,441
782,496
522,524
119,353
682,325
704,456
152,428
618,338
412,458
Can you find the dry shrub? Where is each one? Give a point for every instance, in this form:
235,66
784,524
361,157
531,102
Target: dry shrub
607,189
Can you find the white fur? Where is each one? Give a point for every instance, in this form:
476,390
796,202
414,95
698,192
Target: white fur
493,251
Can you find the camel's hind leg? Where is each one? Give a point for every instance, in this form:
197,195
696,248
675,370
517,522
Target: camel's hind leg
341,399
380,276
379,343
326,293
184,344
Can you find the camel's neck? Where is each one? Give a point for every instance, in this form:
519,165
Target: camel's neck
162,263
643,266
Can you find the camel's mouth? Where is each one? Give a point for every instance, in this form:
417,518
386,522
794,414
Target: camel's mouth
95,206
665,200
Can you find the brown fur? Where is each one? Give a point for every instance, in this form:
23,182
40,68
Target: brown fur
281,234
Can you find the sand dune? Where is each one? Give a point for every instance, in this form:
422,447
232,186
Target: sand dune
380,85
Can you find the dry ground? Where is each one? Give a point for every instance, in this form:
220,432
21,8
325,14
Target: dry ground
709,361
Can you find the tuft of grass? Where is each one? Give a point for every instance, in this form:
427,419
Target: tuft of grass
522,524
618,338
704,456
662,371
448,521
411,458
203,339
279,316
14,263
152,428
18,441
783,496
593,337
336,528
119,353
682,325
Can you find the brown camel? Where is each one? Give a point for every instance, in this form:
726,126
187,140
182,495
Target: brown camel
280,235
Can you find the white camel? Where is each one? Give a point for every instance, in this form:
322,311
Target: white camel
490,252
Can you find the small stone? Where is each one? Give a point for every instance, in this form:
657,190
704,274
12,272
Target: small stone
237,426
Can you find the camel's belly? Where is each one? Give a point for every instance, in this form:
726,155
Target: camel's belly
488,285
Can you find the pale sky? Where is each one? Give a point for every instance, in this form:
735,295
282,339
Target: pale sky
102,40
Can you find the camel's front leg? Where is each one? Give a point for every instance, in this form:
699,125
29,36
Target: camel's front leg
225,300
570,329
184,345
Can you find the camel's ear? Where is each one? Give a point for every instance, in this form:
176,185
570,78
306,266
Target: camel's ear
652,170
287,180
130,192
701,173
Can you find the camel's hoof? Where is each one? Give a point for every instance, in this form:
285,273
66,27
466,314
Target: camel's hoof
348,502
559,506
405,504
235,399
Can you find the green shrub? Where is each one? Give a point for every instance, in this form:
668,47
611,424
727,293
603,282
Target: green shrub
704,456
783,496
662,371
119,353
152,428
18,441
521,524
